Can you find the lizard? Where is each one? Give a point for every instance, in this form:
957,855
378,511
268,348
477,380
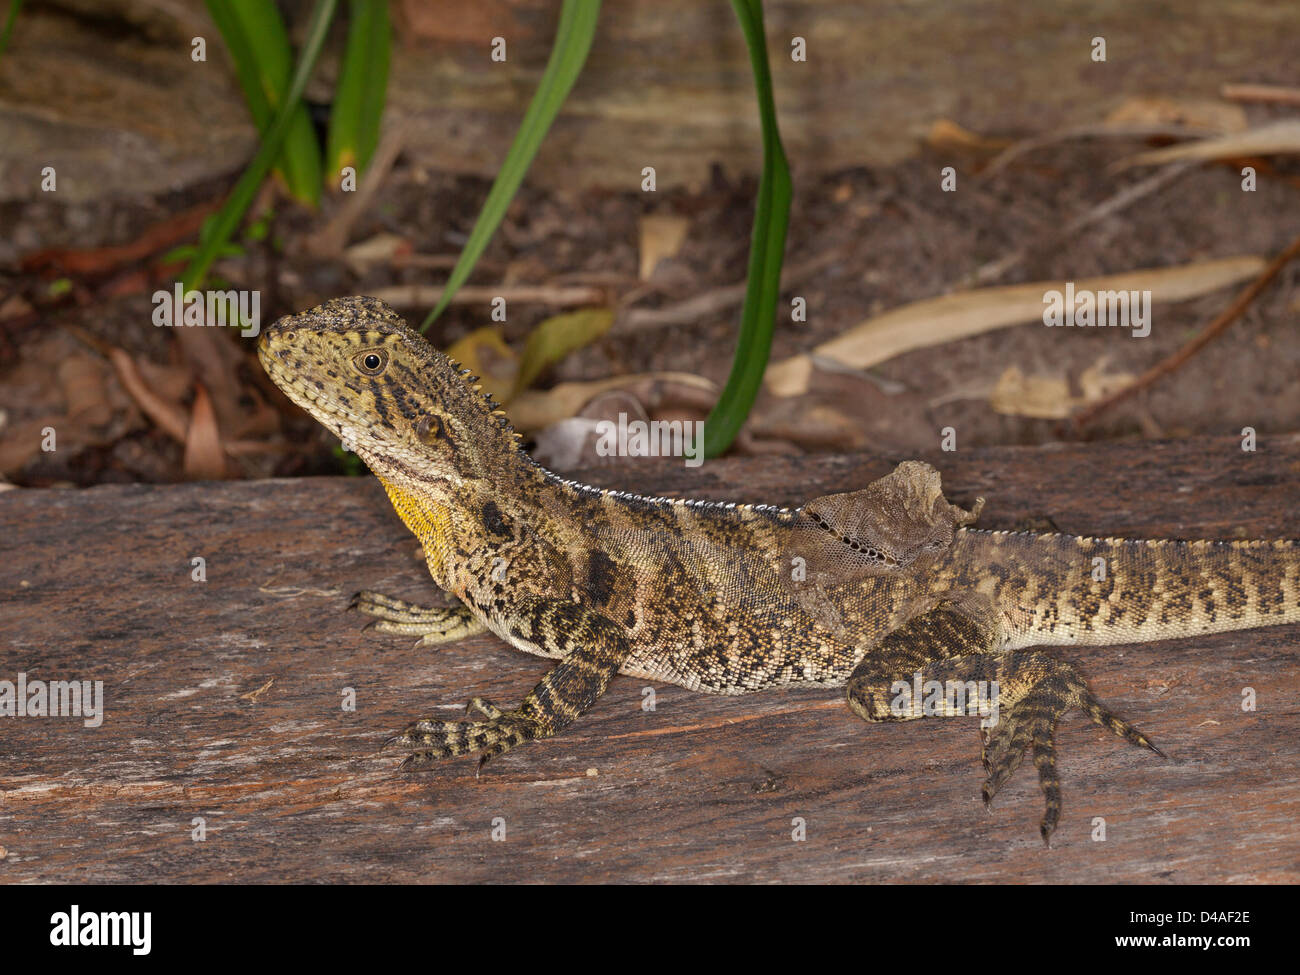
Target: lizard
876,591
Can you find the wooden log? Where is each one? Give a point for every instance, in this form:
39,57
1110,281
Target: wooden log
109,95
224,704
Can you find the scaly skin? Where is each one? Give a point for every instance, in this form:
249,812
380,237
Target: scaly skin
862,590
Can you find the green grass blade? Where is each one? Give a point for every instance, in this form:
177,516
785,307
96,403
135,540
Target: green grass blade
572,42
227,218
766,252
362,84
14,7
259,47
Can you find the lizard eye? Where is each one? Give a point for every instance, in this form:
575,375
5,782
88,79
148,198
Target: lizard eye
370,363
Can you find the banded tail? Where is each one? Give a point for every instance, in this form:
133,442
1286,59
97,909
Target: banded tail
1063,589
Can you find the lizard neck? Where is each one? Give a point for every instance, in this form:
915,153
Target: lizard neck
430,519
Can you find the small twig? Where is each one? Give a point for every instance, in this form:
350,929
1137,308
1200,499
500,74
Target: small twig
331,241
1277,94
712,302
1099,130
440,262
1120,201
169,417
252,696
1208,335
418,295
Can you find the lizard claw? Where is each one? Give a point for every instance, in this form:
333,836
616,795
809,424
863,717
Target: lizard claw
431,739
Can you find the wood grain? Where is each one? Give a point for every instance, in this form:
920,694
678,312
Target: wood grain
96,585
667,84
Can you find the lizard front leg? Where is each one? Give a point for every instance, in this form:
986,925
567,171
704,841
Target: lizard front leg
1024,693
433,624
591,648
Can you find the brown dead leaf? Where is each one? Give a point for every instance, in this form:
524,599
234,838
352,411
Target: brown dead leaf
98,260
535,409
947,135
1279,138
935,321
204,458
15,306
662,236
1096,382
1016,394
485,354
168,381
1048,397
382,248
82,380
166,413
1195,113
20,442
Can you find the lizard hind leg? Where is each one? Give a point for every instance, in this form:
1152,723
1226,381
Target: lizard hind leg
1034,691
1021,695
433,624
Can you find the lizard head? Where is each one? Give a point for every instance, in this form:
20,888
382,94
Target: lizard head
411,413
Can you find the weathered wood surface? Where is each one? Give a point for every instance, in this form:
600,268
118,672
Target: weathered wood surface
96,585
107,93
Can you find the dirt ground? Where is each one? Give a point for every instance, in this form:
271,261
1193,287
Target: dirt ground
882,237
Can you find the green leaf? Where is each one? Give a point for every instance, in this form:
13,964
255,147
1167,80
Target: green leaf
766,252
359,94
568,54
14,7
187,252
227,218
556,337
351,464
259,48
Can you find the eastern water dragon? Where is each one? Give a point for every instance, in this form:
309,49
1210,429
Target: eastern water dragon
877,591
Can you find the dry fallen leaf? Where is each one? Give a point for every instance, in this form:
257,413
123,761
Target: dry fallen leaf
662,236
382,248
204,458
486,355
944,319
82,379
1195,113
1278,138
556,337
946,134
167,414
535,409
1049,397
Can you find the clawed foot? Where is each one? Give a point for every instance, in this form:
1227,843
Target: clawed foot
432,740
433,624
1029,725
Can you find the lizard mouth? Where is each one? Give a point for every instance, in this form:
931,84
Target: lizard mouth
302,390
